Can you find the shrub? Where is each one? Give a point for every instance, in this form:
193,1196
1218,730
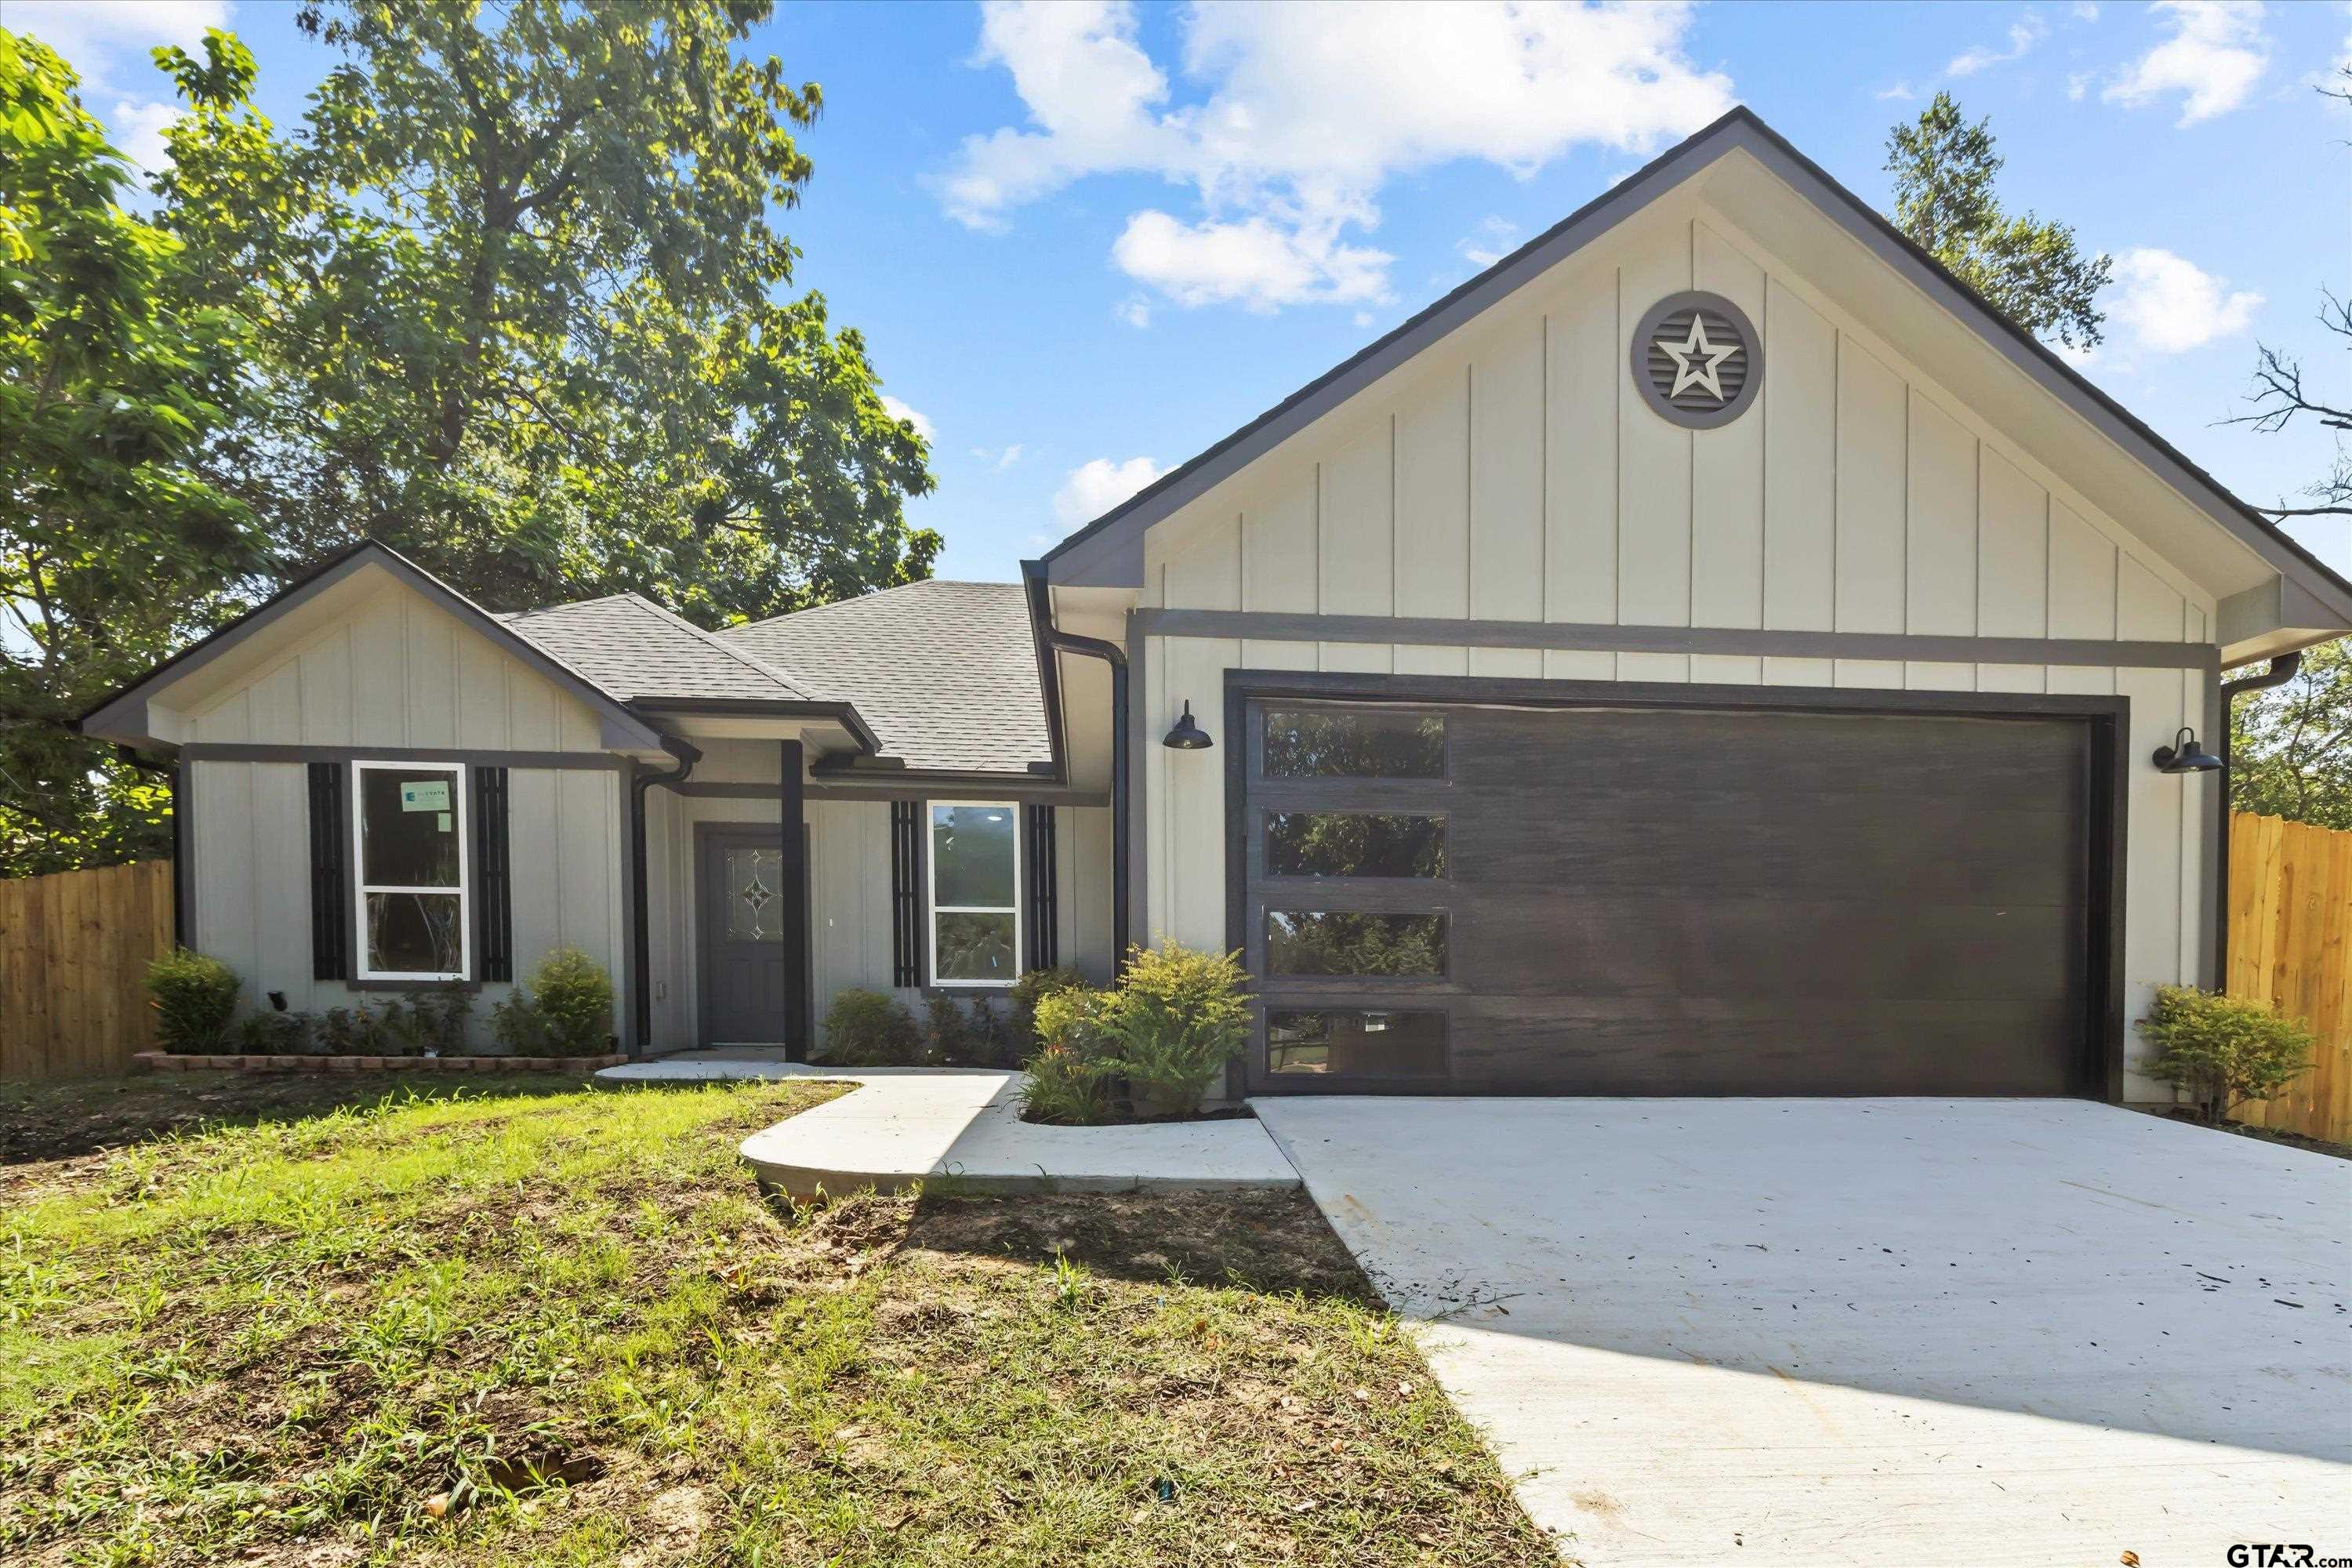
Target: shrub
275,1033
948,1027
1067,1081
1180,1014
2223,1051
517,1026
868,1029
445,1019
352,1031
1027,992
194,997
574,996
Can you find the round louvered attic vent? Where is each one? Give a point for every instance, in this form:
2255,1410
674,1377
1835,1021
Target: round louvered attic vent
1698,360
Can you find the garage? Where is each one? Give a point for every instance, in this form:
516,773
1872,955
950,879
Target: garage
1573,889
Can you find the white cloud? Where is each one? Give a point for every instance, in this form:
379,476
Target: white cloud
2077,84
2023,33
2169,305
2085,11
1901,92
1492,242
1093,489
138,129
1255,262
897,410
1303,114
2217,52
1135,310
999,457
95,35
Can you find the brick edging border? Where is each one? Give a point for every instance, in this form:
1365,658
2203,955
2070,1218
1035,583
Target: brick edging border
168,1061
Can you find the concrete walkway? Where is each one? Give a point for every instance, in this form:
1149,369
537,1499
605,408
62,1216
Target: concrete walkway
904,1125
1784,1333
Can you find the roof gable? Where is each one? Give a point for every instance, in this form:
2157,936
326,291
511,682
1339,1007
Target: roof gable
637,649
1764,184
315,601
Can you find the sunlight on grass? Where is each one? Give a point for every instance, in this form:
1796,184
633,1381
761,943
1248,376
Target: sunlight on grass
563,1327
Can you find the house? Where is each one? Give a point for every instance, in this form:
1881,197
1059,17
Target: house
1707,652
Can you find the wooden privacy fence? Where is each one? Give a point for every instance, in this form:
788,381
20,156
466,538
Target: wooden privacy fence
2290,946
73,949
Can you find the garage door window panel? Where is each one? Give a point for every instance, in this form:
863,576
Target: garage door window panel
1353,744
1355,1042
1354,844
1342,942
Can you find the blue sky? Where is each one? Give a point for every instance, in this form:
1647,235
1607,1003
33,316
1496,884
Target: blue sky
1086,241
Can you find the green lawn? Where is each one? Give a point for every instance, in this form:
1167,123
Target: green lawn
518,1322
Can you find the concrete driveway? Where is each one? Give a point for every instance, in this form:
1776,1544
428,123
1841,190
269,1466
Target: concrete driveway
1761,1332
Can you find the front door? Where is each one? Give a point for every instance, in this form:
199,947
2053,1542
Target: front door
741,903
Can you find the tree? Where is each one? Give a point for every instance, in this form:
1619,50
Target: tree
2030,269
515,285
113,550
2291,746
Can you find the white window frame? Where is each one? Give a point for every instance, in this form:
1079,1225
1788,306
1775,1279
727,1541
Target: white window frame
361,887
931,895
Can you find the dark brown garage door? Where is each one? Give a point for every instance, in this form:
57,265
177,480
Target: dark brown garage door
1628,901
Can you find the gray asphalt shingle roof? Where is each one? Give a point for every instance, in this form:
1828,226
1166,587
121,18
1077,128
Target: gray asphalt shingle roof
946,673
636,650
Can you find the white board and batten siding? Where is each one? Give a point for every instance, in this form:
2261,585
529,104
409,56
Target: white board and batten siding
399,672
1512,472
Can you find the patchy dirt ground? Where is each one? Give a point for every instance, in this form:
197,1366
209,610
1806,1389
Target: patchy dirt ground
550,1325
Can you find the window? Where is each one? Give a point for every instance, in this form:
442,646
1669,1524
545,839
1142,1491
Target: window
975,894
1354,744
409,820
1304,942
1346,1042
1354,844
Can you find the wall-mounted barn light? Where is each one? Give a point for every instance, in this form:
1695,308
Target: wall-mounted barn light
1188,735
2185,755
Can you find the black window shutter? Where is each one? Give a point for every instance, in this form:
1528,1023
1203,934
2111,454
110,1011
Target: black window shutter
330,910
493,889
905,892
1039,872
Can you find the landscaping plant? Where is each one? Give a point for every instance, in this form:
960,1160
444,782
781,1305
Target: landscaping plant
517,1026
2224,1051
574,996
868,1029
194,998
1066,1082
1180,1014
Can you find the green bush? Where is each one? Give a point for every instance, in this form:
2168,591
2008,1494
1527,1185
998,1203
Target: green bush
2225,1052
1180,1016
517,1025
1063,1088
1066,1082
868,1029
352,1031
1027,992
574,996
966,1034
194,998
275,1033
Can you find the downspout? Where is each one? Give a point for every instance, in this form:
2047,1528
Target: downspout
1053,637
640,938
2283,670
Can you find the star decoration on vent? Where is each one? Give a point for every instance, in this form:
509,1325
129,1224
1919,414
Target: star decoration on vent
1689,372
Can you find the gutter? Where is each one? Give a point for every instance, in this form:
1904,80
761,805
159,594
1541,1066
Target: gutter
1051,638
641,998
2284,669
